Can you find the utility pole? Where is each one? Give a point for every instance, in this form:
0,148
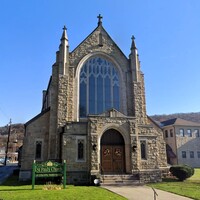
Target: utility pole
7,144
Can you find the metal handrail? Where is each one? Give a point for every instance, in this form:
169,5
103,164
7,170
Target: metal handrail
155,193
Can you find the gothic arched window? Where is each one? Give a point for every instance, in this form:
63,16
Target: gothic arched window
99,87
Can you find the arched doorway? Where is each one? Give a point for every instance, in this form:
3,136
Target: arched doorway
112,152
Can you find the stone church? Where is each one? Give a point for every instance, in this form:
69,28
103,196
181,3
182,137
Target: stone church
94,115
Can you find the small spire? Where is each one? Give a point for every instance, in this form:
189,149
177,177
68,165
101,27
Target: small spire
64,35
100,19
133,46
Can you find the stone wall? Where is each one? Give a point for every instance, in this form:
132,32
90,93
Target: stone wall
77,170
150,176
37,129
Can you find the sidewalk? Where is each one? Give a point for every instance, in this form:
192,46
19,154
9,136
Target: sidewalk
143,193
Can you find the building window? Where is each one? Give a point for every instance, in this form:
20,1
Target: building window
81,148
189,133
166,133
196,132
99,87
198,154
191,154
181,132
143,149
38,149
171,132
183,154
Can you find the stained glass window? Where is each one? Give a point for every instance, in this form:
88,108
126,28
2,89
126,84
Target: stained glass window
99,87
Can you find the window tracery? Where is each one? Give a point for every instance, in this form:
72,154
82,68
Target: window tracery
99,87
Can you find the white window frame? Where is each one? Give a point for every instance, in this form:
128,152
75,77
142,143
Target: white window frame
196,132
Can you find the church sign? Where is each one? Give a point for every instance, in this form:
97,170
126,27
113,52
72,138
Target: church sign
48,169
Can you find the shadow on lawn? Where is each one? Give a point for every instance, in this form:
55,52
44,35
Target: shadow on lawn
170,180
13,180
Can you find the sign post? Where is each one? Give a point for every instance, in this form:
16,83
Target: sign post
33,175
48,169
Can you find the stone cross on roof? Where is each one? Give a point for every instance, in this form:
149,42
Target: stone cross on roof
100,19
64,28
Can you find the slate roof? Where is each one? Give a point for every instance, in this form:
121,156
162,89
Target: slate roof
179,121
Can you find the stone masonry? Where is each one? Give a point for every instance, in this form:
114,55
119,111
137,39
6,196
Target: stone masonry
67,136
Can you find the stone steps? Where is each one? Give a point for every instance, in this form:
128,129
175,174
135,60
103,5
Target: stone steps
122,179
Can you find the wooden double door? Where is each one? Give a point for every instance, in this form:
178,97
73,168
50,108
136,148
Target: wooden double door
112,153
112,158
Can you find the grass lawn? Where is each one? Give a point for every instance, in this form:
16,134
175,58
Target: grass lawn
189,188
13,190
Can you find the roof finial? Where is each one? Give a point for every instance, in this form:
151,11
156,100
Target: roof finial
100,19
133,46
64,28
64,35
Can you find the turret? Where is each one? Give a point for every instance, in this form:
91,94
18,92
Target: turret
134,61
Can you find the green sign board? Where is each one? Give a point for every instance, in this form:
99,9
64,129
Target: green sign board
49,169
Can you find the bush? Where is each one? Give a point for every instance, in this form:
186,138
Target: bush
182,172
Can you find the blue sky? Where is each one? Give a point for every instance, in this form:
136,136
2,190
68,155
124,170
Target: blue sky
167,36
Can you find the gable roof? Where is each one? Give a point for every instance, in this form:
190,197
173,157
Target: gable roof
179,121
100,27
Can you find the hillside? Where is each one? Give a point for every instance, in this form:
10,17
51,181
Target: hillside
194,117
16,137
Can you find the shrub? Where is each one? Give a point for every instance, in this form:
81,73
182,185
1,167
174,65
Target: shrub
182,172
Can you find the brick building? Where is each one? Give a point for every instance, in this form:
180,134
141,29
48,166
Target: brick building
94,114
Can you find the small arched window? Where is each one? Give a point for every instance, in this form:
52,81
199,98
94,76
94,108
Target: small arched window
99,87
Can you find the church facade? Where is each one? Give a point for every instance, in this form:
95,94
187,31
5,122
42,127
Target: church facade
94,115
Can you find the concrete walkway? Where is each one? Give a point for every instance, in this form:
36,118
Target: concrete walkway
143,193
